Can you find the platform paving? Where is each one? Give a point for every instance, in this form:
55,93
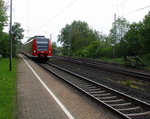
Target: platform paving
34,102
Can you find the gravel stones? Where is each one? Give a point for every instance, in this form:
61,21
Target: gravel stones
128,85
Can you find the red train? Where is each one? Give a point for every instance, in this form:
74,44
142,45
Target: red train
38,47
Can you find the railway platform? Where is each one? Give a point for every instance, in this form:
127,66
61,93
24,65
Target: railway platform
40,95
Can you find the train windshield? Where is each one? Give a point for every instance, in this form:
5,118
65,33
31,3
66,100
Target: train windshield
42,44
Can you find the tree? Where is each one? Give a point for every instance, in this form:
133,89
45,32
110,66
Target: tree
118,30
4,49
132,39
3,19
146,33
54,47
17,35
138,37
76,36
17,32
63,38
3,16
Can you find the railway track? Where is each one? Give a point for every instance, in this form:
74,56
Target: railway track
108,67
122,105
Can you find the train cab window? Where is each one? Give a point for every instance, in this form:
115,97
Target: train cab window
42,44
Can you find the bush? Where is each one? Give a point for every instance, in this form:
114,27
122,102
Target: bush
107,52
4,48
146,56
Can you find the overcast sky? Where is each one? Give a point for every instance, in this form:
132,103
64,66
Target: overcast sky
45,17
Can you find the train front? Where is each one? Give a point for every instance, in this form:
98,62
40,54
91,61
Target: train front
43,48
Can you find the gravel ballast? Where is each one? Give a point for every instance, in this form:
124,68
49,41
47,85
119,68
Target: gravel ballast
126,84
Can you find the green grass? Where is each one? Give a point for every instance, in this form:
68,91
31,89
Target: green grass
7,89
147,63
113,60
121,61
132,84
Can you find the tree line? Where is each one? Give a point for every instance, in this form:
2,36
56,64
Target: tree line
17,33
124,39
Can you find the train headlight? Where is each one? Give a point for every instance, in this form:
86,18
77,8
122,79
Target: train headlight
49,51
34,51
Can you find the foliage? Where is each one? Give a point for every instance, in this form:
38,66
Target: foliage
138,37
3,16
54,47
17,32
76,36
107,52
4,37
124,39
146,34
92,50
118,30
17,35
3,19
5,42
95,48
133,39
146,56
79,39
4,49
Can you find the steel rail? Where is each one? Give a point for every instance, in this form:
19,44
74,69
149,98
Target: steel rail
107,67
92,89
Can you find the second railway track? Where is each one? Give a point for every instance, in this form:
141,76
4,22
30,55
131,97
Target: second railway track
121,104
108,67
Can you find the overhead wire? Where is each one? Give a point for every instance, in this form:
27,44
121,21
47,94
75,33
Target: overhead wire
72,3
68,6
142,8
138,10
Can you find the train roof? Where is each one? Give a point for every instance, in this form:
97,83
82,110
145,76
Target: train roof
35,37
39,37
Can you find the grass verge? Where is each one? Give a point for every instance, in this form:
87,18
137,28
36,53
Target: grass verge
147,63
7,89
121,61
115,60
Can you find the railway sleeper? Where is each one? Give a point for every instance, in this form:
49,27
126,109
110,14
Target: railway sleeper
90,90
102,94
81,85
85,83
107,97
88,85
129,108
115,101
92,87
97,92
146,114
123,106
132,111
